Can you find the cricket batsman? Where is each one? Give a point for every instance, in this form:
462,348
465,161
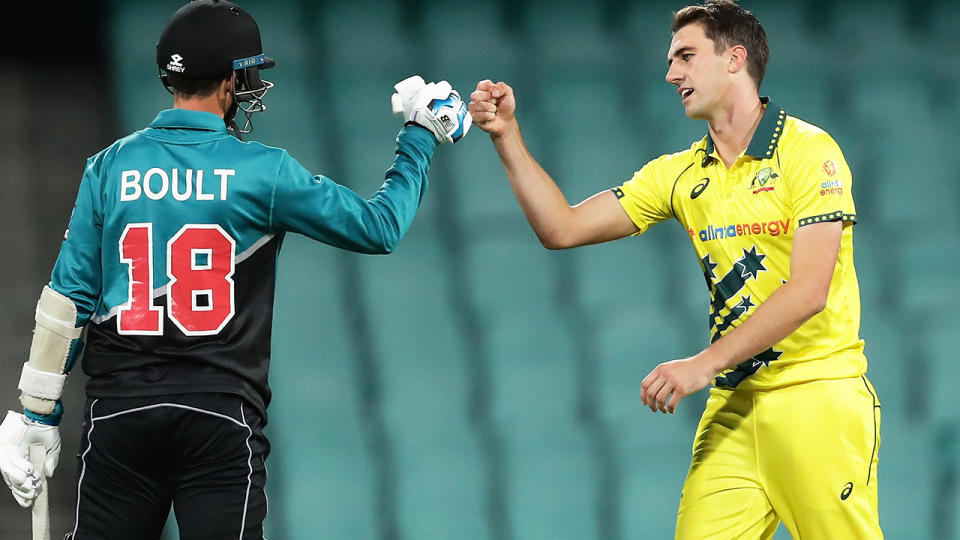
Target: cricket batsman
165,282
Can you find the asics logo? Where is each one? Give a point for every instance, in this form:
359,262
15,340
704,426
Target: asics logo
699,188
847,490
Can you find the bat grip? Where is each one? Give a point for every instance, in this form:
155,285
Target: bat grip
40,512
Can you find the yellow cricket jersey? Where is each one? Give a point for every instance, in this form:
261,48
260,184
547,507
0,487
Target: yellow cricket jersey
742,221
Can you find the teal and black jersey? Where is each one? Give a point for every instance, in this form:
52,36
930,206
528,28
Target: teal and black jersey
171,251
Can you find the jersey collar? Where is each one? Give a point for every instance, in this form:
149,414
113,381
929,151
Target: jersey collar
185,119
765,138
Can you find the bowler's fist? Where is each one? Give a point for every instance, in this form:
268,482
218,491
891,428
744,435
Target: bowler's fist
492,107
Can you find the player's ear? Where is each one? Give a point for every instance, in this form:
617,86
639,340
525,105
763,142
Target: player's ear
225,92
737,58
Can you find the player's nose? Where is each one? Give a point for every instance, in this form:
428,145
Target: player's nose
673,76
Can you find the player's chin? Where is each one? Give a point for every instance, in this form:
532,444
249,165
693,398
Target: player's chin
694,113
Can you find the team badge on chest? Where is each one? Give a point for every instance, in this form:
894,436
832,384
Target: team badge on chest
764,180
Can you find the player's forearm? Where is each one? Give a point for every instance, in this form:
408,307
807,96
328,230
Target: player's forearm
788,308
334,214
396,202
541,200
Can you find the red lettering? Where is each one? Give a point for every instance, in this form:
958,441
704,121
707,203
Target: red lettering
211,280
200,295
138,315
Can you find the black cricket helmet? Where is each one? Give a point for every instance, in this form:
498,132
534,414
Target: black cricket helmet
208,40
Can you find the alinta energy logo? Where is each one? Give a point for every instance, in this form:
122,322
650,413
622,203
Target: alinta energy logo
831,187
774,227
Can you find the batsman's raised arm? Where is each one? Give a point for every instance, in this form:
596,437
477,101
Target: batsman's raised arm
557,224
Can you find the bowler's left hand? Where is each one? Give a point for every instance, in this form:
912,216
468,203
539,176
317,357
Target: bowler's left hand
672,381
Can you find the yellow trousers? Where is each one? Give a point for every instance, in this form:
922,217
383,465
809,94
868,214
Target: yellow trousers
804,454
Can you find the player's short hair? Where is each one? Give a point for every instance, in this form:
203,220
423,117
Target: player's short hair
728,24
196,88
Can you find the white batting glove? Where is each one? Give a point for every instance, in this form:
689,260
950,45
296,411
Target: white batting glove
407,90
435,106
17,433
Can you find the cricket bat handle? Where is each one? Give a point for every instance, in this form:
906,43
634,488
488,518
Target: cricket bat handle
41,509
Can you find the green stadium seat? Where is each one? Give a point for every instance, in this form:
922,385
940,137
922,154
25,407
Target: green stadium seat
943,18
806,93
511,274
864,53
548,458
877,270
891,363
905,479
533,368
646,30
441,488
322,484
892,102
293,119
661,118
630,342
358,74
315,413
926,273
449,46
623,273
657,270
482,197
595,145
421,355
425,387
914,194
134,30
856,141
651,476
571,35
946,511
794,32
362,35
551,483
937,340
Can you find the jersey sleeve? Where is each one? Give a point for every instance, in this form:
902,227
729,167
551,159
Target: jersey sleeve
77,273
820,183
643,197
324,210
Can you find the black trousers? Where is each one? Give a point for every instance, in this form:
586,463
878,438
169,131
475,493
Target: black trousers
202,453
